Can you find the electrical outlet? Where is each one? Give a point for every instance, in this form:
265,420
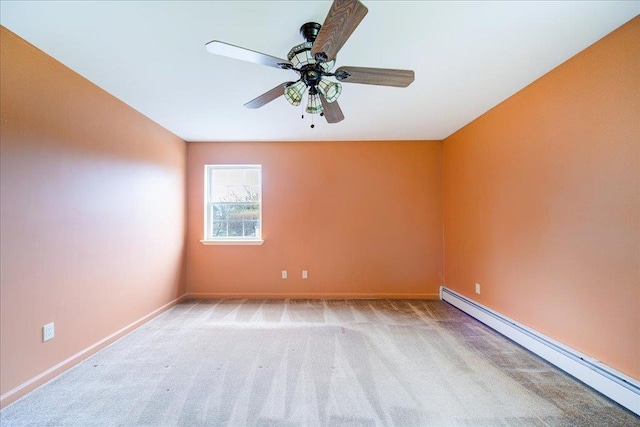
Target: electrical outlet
284,274
47,332
304,274
477,288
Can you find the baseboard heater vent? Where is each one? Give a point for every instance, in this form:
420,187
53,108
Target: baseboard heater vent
618,387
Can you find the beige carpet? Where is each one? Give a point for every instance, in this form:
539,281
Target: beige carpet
312,362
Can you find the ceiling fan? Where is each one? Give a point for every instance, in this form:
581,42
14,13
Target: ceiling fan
313,61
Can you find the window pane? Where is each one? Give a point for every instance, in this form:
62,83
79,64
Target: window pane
250,212
255,193
220,193
250,228
220,212
219,176
252,177
236,194
219,229
235,228
236,177
234,212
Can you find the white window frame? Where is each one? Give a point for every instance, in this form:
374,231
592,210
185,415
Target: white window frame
208,211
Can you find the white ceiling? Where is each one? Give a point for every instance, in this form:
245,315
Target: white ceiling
467,57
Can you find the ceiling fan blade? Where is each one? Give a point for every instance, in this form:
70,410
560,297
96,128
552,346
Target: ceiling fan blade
331,110
269,96
341,21
375,76
231,51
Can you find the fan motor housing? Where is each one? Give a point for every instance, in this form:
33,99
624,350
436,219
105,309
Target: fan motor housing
310,31
311,75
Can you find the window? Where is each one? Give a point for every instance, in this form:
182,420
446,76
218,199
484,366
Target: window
233,204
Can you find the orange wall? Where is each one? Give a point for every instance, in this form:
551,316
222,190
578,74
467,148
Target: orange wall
364,218
542,203
92,214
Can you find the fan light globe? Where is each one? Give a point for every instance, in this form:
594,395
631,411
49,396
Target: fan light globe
294,93
330,90
314,106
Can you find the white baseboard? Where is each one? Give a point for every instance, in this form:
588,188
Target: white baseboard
618,387
299,295
41,379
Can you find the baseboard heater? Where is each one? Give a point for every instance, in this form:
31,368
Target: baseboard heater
618,387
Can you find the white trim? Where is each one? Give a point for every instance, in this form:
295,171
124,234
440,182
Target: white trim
309,295
41,379
613,384
231,242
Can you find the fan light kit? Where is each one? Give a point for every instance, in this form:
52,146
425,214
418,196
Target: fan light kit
313,61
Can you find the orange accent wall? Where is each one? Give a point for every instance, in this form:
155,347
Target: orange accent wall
92,214
542,203
364,218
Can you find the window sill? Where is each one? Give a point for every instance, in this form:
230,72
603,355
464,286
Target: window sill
232,242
